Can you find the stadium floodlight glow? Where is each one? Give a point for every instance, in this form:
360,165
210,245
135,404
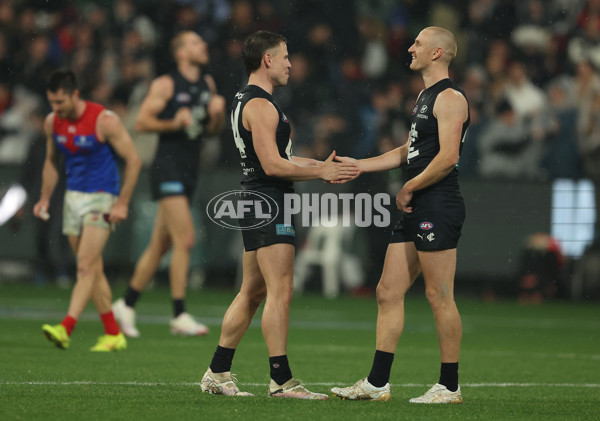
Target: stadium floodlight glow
13,200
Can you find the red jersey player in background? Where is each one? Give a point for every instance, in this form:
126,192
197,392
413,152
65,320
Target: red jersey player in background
90,137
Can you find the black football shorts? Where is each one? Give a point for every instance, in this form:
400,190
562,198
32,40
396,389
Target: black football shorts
256,233
435,222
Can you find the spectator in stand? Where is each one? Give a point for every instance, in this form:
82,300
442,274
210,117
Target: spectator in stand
506,148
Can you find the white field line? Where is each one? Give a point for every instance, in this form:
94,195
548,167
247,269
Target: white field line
86,383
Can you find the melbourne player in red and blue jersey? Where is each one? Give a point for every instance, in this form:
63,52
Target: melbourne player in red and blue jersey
90,163
90,137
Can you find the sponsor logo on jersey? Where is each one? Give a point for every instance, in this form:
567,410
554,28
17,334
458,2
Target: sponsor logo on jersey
426,225
183,97
423,109
83,141
284,118
72,129
61,139
415,109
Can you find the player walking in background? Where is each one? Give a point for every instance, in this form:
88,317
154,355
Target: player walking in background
261,133
89,136
182,106
427,234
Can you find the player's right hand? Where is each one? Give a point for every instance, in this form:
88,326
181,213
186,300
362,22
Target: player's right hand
338,171
40,210
183,118
348,159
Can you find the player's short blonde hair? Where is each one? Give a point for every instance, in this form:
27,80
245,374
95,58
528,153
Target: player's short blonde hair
443,39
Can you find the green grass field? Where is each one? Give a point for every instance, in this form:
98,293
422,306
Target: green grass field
518,362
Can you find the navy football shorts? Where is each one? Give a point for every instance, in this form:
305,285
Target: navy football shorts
169,180
256,233
435,222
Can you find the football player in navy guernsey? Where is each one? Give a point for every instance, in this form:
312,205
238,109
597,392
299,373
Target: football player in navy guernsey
182,107
432,214
262,134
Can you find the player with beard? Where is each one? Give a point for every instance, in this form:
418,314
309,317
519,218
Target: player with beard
90,137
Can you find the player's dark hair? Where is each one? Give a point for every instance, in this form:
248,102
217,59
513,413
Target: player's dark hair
256,45
62,79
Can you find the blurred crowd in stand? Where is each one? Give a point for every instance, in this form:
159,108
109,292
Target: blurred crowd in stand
530,69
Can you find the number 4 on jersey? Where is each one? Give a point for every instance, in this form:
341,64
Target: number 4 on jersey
239,142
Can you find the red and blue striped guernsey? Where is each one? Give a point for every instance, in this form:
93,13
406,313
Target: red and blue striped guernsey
91,165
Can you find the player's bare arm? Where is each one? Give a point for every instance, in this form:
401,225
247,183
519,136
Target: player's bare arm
387,161
305,162
49,173
161,91
215,109
451,111
261,118
111,130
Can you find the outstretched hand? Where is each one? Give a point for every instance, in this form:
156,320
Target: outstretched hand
338,171
347,160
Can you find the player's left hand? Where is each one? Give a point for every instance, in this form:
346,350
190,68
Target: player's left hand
350,160
118,213
403,199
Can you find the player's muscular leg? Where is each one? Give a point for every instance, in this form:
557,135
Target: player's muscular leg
276,264
101,294
89,249
400,270
438,270
178,219
148,262
244,306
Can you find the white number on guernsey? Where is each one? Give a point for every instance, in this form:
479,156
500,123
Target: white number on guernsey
288,150
412,152
196,128
239,142
462,141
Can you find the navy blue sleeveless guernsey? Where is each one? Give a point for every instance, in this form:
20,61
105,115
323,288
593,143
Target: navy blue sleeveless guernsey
424,137
253,172
182,148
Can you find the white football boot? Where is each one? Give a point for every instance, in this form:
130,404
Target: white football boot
363,390
439,394
125,315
